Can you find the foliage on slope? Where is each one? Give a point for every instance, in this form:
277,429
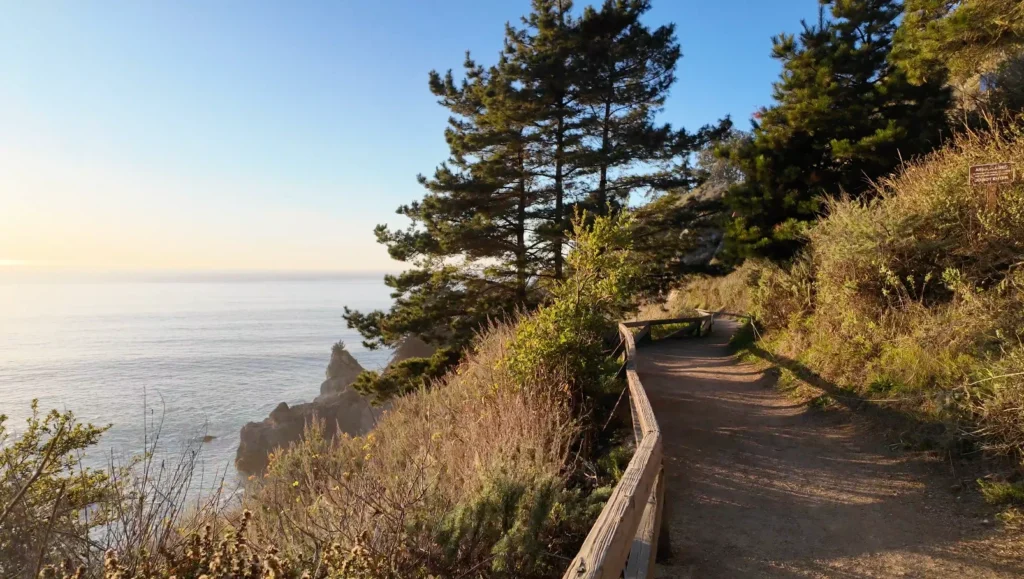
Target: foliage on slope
915,298
470,471
843,115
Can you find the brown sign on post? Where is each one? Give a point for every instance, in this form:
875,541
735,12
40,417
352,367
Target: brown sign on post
992,174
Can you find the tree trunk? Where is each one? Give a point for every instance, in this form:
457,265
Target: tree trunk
559,195
602,187
521,274
559,162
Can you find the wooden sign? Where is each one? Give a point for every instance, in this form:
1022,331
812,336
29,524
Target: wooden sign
992,174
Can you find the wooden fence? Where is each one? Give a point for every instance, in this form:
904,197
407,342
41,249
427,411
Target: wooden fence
624,540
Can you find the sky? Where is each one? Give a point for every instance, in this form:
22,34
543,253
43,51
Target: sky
274,136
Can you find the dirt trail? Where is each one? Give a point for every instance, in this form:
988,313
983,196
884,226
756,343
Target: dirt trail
759,486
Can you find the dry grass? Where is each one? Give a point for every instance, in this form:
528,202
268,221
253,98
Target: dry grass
730,292
995,398
772,294
469,474
918,295
658,309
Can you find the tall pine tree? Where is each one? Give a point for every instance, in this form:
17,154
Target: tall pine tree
543,59
625,71
962,37
565,115
844,115
978,44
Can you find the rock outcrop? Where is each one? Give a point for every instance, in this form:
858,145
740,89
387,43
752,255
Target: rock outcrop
340,407
341,372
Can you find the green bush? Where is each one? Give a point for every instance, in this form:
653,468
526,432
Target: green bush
569,331
472,476
44,491
1002,493
55,509
406,376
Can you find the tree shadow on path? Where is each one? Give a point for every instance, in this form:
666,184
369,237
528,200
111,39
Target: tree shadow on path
758,486
913,429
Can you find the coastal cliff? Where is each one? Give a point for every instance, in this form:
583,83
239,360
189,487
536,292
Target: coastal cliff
341,408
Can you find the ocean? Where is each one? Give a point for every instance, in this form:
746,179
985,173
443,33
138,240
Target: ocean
192,358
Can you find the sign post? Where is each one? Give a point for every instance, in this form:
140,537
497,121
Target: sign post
990,176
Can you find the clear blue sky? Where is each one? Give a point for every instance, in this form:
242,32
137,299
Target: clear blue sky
273,135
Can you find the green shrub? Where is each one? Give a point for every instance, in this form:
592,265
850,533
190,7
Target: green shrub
615,462
664,330
474,475
569,331
745,336
55,509
406,376
44,491
1002,493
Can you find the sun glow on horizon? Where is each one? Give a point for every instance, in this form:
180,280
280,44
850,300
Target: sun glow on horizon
59,212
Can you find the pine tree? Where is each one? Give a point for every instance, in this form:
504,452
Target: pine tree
680,231
542,58
566,113
482,207
978,44
469,240
625,71
844,115
962,37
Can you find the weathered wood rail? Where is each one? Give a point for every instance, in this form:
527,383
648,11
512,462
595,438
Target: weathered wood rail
624,539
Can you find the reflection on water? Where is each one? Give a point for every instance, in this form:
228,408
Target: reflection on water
193,360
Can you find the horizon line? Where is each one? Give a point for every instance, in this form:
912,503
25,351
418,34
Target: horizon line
50,274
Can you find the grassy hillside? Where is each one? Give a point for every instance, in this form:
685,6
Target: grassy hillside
913,299
472,472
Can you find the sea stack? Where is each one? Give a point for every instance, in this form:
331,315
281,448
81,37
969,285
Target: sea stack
341,408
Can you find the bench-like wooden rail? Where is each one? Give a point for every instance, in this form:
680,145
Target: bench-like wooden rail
624,539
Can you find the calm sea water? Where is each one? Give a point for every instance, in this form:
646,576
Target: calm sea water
203,357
